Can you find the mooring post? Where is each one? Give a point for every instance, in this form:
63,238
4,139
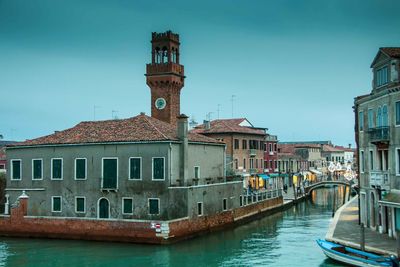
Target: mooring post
334,202
362,243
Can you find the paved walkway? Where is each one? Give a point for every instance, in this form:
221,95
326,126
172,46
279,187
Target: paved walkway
344,229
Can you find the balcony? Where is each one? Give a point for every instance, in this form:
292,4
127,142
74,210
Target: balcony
379,135
253,152
271,138
379,178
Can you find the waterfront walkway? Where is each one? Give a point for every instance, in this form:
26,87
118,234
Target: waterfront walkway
345,230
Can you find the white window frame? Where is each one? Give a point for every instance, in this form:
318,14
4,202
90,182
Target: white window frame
148,205
362,161
80,179
141,169
152,169
123,206
41,169
397,158
202,209
102,174
395,114
12,169
62,169
371,152
194,170
84,204
270,147
98,208
52,204
226,201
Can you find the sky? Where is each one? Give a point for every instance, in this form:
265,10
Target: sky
293,66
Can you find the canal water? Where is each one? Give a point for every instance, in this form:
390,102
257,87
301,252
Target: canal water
283,239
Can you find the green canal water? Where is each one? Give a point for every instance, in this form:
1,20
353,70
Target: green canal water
283,239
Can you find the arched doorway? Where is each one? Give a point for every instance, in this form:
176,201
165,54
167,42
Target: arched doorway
372,209
103,208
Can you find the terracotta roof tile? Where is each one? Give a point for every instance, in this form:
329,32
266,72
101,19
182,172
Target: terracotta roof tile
227,126
141,128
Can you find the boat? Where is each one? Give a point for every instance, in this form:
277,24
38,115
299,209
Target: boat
353,256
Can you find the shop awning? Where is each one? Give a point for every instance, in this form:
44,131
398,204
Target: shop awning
264,176
391,199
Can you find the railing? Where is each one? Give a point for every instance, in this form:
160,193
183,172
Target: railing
251,198
379,178
164,67
253,152
271,138
379,134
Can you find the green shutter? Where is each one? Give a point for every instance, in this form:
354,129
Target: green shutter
57,169
37,169
80,171
110,173
56,203
158,168
153,206
128,205
80,204
16,169
135,168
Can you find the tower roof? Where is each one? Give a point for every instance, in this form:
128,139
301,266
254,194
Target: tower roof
228,126
141,128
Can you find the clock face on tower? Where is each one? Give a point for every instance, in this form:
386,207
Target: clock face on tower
160,103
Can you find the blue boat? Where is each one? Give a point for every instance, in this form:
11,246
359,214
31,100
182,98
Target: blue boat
353,256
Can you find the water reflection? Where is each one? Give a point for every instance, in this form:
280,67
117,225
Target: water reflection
283,239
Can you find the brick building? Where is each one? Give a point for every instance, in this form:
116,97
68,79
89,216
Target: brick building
244,143
271,154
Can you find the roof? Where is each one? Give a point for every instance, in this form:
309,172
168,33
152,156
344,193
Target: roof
228,126
326,148
4,143
141,128
393,52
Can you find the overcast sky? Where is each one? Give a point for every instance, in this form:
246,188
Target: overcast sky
294,66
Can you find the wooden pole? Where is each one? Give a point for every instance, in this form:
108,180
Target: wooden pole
334,202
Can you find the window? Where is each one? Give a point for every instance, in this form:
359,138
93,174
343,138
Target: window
270,147
261,146
370,118
56,169
266,164
244,163
371,160
200,208
158,169
256,163
382,76
56,204
197,172
244,144
379,117
398,113
37,169
80,206
385,121
362,167
241,201
224,204
80,169
154,206
16,172
276,165
135,168
361,121
236,144
127,206
2,166
397,161
275,147
265,147
110,173
251,163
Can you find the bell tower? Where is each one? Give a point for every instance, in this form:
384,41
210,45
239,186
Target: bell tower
165,77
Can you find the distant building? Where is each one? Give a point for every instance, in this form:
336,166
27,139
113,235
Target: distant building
271,154
3,158
244,143
377,137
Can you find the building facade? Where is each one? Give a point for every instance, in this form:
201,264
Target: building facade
271,154
244,143
378,143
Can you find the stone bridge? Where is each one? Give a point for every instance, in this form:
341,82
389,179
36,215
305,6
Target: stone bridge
311,187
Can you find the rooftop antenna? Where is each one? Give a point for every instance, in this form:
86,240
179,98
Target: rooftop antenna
218,106
114,114
232,100
94,111
208,116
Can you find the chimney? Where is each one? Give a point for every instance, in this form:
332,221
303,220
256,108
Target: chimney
207,125
183,137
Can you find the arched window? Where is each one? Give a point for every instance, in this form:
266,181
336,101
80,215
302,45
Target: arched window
164,55
157,55
385,116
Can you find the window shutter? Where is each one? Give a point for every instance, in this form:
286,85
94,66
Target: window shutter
110,173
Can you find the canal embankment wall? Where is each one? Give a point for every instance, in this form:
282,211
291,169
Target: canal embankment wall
18,224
